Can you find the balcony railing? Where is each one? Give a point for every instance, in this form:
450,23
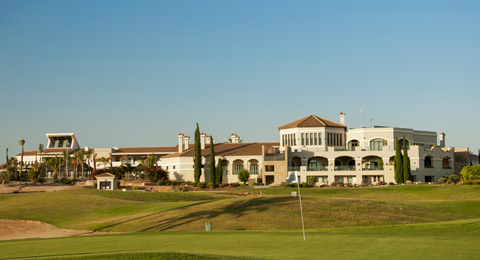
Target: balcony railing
373,169
293,168
317,168
344,168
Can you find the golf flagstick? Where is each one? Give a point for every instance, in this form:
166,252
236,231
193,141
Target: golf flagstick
300,199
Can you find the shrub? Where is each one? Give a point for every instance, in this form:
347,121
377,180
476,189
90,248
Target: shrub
234,184
408,182
391,183
304,185
64,181
223,185
211,185
337,183
201,185
134,187
380,183
349,184
243,175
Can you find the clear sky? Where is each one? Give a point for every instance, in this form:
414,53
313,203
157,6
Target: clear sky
136,73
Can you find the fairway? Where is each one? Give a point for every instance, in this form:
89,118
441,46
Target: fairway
454,240
402,222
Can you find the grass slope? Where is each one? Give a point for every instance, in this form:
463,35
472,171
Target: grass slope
446,240
137,211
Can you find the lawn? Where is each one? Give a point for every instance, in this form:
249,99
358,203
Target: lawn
445,240
414,222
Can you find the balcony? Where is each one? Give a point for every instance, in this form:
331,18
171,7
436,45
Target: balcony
317,168
344,168
293,168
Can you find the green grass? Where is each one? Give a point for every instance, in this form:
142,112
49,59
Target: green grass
141,256
137,211
443,240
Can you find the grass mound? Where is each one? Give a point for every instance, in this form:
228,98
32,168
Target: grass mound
153,256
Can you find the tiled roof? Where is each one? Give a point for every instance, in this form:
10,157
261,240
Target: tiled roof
311,121
147,150
106,174
228,149
46,151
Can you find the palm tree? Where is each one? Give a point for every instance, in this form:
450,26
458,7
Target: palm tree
40,150
104,161
55,164
66,156
6,159
22,143
81,159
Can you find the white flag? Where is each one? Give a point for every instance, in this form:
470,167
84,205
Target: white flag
293,178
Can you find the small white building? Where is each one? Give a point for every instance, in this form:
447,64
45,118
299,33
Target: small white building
106,181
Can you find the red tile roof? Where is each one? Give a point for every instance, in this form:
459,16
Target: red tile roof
312,121
228,149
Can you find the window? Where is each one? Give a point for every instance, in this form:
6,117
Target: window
311,139
253,168
349,179
377,144
225,169
303,140
269,168
238,167
319,139
315,138
324,179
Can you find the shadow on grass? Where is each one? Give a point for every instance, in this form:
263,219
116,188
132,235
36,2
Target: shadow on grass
146,216
236,210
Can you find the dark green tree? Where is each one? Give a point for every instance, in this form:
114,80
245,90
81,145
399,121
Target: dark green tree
243,175
406,162
213,172
398,163
218,170
197,159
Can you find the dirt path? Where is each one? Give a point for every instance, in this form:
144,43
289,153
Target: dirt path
21,229
37,188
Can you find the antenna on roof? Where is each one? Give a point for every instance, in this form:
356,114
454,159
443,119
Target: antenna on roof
362,116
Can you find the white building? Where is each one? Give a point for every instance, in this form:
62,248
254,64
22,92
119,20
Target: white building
313,146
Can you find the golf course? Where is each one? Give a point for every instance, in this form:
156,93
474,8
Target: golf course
399,222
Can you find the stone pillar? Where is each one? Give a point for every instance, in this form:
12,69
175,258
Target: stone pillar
202,141
187,141
180,142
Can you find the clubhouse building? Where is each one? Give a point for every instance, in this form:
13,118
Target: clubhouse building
324,150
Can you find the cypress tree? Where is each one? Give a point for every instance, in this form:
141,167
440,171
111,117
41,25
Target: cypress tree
406,162
218,169
213,179
197,159
398,163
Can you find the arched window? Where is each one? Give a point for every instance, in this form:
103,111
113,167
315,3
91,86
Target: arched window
446,162
428,162
377,144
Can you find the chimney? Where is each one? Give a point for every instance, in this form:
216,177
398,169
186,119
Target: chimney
442,139
207,141
202,141
237,139
233,137
342,118
187,141
180,142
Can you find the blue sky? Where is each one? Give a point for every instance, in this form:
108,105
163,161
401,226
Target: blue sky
136,73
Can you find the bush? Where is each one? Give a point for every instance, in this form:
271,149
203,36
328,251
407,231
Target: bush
337,183
243,175
223,185
201,185
64,181
391,183
233,185
134,187
211,185
380,183
304,185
